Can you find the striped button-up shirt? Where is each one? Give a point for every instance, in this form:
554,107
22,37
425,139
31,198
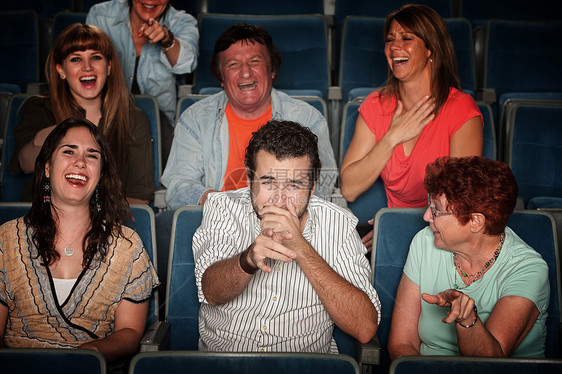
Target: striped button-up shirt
278,311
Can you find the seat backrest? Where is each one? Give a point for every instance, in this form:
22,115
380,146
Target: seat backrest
490,146
145,226
533,52
242,363
12,185
185,102
266,7
52,360
460,364
370,201
479,11
538,229
301,40
149,106
182,308
394,229
362,60
62,20
533,148
19,43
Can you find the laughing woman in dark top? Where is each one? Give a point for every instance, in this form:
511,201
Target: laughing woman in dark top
86,81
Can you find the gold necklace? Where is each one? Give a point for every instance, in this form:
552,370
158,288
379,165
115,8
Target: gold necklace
481,272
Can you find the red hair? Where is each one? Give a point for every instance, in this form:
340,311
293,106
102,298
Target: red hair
474,185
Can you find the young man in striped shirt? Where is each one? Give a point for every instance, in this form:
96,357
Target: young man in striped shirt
275,265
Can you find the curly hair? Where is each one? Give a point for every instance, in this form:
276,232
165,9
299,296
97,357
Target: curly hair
429,26
284,139
114,207
250,34
116,99
474,184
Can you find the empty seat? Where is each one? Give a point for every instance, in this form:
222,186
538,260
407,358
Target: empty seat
522,57
242,363
533,147
19,43
62,20
12,185
265,7
481,365
301,40
52,361
480,11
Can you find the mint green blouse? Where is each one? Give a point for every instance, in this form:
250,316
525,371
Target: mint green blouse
518,271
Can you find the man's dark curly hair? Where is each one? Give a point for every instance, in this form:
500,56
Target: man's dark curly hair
114,206
251,34
284,139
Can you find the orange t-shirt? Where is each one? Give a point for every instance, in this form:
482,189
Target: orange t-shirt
239,134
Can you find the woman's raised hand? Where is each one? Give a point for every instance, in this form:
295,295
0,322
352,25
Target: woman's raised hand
407,124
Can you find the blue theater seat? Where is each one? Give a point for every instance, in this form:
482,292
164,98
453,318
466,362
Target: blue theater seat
179,362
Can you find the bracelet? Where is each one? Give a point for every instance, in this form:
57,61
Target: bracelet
475,319
169,42
245,265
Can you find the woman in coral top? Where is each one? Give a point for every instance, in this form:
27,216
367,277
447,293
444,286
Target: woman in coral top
419,115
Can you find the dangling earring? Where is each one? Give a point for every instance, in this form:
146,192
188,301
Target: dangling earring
98,206
46,192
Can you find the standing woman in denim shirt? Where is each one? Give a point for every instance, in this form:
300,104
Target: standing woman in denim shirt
155,43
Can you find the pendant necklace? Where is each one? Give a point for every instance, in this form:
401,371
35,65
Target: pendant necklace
481,272
69,249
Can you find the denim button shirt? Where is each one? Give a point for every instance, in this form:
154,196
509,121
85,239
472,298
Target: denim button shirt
155,75
199,153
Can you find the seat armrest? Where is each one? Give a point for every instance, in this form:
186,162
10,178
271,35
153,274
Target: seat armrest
369,353
156,337
160,199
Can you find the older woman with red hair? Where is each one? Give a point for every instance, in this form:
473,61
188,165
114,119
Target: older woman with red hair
470,285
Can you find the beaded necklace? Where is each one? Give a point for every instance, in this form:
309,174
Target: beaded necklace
481,272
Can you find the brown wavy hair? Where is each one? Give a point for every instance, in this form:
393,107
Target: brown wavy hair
474,184
115,95
114,207
429,26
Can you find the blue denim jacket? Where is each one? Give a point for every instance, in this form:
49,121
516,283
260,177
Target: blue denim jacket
199,153
155,75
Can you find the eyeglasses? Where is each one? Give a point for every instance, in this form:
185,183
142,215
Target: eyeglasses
434,211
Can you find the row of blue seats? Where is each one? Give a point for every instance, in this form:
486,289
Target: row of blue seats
475,10
54,361
304,41
529,140
394,228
